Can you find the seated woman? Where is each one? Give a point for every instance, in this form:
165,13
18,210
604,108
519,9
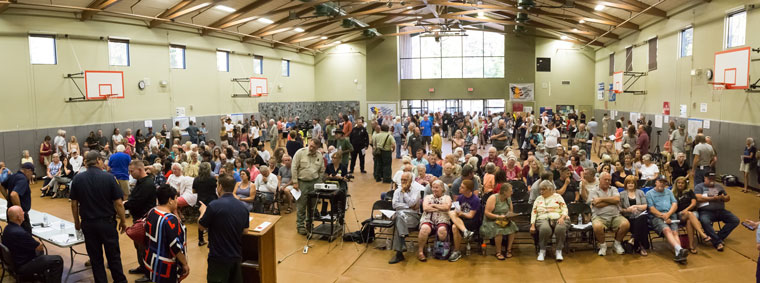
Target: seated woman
618,178
686,211
243,190
649,171
549,216
489,178
633,203
435,216
496,222
336,169
534,172
512,169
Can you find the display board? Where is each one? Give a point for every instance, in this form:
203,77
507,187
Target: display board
104,84
381,109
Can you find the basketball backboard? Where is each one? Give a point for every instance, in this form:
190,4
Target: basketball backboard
732,69
104,84
259,87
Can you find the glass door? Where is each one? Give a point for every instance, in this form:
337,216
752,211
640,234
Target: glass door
452,105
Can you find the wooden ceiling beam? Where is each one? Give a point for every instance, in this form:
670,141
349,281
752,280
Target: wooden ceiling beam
354,14
222,23
5,6
176,11
97,5
627,6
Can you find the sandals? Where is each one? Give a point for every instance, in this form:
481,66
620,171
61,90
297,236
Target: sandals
720,247
421,257
706,238
643,252
500,256
288,211
509,254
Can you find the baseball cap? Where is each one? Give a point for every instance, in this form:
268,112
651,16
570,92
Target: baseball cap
27,165
710,174
682,126
626,146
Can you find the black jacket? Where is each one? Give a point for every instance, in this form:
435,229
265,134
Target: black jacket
359,138
142,198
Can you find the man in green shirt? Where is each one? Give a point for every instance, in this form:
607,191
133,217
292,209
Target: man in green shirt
273,136
308,167
386,143
343,145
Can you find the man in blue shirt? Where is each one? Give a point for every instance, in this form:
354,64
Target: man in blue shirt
27,253
662,213
226,219
119,164
432,167
427,130
15,189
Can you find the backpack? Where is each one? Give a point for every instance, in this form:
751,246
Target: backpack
441,250
365,235
730,180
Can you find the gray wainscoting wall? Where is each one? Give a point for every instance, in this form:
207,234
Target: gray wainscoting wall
307,110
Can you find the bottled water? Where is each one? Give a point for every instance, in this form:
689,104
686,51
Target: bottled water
580,219
45,220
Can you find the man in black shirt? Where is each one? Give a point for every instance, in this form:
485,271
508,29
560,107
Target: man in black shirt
102,141
141,200
192,132
27,253
96,200
360,141
679,167
226,220
16,190
414,142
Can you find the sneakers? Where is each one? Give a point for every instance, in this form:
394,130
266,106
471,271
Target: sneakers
559,256
681,256
602,249
456,255
396,258
618,248
467,235
541,255
302,231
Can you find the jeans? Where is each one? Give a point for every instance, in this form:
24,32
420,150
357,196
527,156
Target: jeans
398,147
354,154
101,234
708,217
50,266
699,174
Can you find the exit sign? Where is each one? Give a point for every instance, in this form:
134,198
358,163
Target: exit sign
470,89
431,90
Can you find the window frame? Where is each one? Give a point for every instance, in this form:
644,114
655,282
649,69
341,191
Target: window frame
285,65
261,64
462,58
55,48
227,58
727,28
119,40
680,41
184,56
650,65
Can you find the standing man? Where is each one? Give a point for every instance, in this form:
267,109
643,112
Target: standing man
26,253
274,135
142,199
316,131
360,141
551,138
605,134
426,126
119,165
582,138
59,142
594,133
343,145
308,168
678,140
642,143
96,202
414,141
176,132
16,191
499,136
385,142
704,159
226,219
192,132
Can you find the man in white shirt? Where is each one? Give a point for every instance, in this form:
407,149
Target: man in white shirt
228,127
266,185
316,132
76,161
551,137
59,142
406,202
183,185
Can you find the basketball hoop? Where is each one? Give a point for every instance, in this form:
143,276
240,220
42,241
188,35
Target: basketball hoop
720,85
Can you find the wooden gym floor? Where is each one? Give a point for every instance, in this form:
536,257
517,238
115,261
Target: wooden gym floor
350,262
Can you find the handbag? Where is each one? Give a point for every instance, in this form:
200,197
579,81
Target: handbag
376,150
136,232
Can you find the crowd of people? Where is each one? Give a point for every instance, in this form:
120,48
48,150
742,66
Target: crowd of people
460,197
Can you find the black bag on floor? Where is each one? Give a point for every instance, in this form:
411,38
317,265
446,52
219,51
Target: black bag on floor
731,181
365,235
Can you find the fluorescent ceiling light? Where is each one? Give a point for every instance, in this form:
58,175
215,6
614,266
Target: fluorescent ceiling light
265,20
298,29
581,21
564,37
481,14
575,30
419,17
599,7
338,42
409,8
224,8
323,37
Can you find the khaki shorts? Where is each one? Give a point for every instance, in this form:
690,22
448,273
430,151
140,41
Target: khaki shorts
743,167
124,184
610,224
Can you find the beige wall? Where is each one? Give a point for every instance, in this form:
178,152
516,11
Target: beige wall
33,95
569,63
672,81
340,74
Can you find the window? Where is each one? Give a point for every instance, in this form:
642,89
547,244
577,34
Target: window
494,105
436,106
223,61
629,59
477,55
472,106
736,29
118,52
686,42
285,68
42,49
612,64
177,57
410,107
652,43
258,65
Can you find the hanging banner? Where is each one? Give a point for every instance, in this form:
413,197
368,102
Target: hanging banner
666,108
600,91
612,94
521,92
517,107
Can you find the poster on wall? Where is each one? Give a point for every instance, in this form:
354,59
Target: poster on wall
184,122
600,91
521,92
658,121
528,109
237,118
683,110
383,109
517,107
180,112
693,127
612,93
666,108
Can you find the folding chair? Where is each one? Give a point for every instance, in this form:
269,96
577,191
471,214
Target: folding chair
520,192
573,210
382,222
12,269
522,220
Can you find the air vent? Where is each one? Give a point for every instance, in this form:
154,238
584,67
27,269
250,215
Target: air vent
525,4
566,82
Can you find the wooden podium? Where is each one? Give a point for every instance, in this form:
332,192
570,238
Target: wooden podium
259,256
